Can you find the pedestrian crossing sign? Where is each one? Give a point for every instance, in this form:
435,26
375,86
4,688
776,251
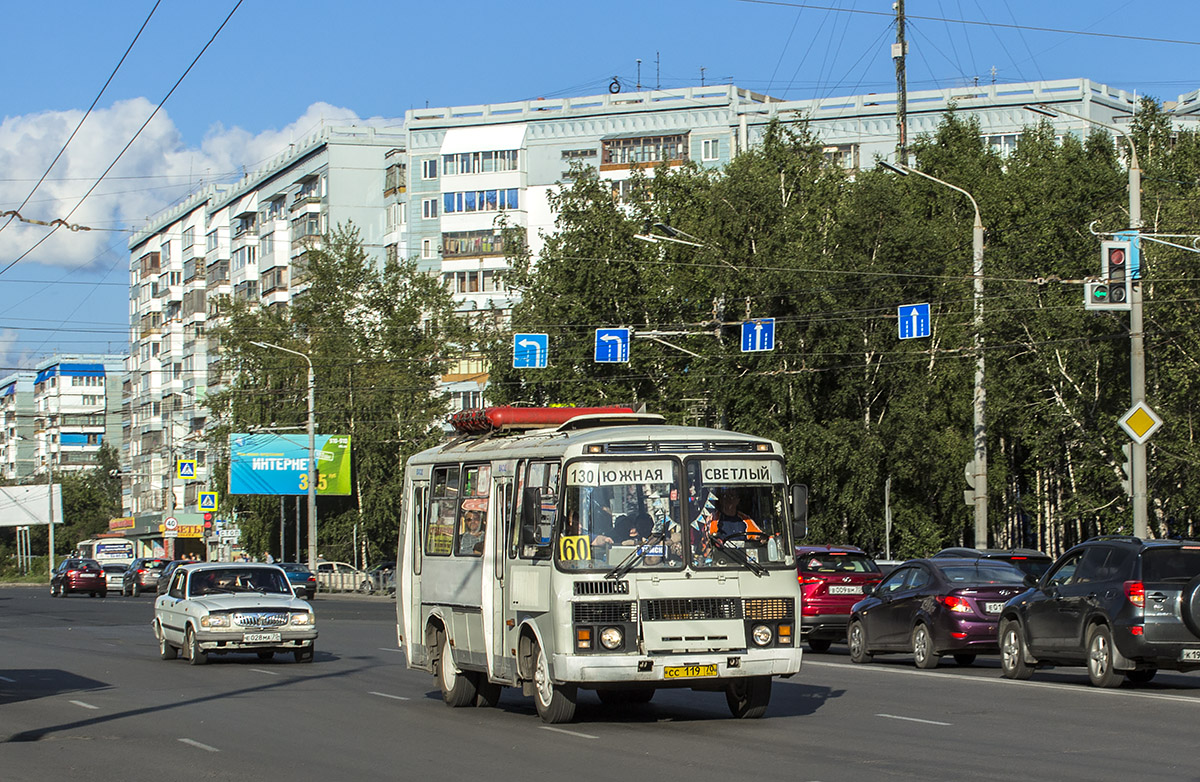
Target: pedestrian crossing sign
186,469
208,501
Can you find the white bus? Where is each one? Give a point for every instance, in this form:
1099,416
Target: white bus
560,549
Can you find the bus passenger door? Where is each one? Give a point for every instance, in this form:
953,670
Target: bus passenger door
408,588
501,666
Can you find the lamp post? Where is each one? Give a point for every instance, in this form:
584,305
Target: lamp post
1137,349
979,465
312,455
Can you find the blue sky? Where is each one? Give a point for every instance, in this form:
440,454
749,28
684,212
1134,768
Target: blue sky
277,69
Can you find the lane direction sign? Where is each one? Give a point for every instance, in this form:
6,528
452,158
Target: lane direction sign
758,335
612,346
531,351
914,320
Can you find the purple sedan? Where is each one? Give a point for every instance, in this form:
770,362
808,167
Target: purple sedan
934,607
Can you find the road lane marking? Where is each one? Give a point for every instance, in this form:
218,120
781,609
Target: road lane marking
389,649
570,732
198,745
385,695
264,670
6,679
85,705
1078,688
914,719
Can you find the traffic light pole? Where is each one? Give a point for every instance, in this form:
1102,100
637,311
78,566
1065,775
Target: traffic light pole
1137,349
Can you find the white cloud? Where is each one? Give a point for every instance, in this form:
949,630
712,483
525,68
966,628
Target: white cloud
156,171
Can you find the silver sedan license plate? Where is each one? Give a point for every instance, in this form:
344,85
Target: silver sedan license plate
1190,655
261,637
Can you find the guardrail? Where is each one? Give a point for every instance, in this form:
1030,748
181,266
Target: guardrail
363,583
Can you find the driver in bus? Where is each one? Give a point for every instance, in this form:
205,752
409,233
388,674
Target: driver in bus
727,521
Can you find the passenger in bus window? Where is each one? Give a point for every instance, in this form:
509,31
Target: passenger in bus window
470,540
633,527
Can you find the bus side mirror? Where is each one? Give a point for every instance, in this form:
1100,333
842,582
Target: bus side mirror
531,515
799,511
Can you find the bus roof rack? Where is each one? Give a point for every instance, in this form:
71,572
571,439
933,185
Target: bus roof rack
592,420
491,419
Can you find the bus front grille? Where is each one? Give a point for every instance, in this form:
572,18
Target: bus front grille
765,608
605,587
691,608
607,612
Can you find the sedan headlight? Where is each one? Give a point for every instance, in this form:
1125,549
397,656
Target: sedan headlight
761,635
303,618
214,620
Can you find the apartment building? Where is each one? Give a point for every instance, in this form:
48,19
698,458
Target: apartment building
17,443
247,240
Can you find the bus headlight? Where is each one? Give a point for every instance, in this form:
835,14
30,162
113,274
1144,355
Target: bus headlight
761,634
612,638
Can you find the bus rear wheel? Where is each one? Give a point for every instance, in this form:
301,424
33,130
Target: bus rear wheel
458,687
748,698
555,702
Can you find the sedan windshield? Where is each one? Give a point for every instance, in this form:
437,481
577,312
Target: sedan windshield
233,580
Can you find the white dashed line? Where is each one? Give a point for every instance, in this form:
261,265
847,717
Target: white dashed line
914,719
264,670
387,649
198,745
570,732
85,705
385,695
1076,688
6,679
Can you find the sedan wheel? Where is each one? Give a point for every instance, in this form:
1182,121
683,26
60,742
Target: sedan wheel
165,650
195,655
856,639
922,648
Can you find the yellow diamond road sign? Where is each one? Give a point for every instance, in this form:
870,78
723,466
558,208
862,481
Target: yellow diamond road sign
1140,422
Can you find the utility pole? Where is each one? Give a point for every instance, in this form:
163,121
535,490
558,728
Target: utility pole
899,49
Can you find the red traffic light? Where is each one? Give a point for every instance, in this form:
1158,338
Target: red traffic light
208,521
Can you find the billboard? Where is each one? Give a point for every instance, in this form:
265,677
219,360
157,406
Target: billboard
29,505
278,464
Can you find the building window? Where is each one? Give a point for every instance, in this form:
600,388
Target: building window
429,169
461,244
210,241
429,208
391,253
481,162
842,156
644,150
1003,144
481,201
710,149
394,178
189,237
427,248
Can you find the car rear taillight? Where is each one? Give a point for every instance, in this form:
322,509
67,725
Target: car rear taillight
956,604
312,578
811,579
141,571
72,572
1135,592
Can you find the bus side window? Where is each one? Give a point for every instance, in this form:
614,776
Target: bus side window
439,534
537,506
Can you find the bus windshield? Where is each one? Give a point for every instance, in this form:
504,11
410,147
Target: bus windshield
737,513
624,512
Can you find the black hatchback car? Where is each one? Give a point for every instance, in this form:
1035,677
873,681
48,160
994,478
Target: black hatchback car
1027,560
1122,606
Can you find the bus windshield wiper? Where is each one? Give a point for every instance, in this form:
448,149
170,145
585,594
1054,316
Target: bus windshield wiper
635,556
736,553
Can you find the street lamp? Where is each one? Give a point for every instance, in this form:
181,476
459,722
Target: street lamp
1137,349
979,481
312,455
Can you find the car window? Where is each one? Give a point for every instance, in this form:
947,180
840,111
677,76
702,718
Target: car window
236,580
982,573
1065,572
920,578
1171,564
894,582
177,585
1091,567
822,562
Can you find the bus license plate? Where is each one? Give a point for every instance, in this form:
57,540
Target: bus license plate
690,671
1190,655
260,637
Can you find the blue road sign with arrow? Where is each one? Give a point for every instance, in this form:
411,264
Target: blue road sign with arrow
914,320
758,335
531,351
612,346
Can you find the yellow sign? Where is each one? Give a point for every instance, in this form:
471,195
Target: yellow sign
574,547
208,501
125,522
1139,422
185,530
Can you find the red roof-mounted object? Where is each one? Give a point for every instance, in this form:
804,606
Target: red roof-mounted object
491,419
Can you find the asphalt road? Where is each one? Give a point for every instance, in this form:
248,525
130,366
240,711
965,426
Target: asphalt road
83,695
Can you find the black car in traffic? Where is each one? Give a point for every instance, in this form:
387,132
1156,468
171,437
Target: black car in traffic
1122,606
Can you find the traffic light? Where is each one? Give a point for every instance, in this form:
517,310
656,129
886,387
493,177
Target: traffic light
208,524
1111,291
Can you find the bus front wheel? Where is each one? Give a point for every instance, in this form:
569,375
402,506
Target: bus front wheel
458,687
748,698
555,702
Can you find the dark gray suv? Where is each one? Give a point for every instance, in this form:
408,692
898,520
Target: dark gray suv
1122,606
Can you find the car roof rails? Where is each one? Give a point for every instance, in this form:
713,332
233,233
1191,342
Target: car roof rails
1128,538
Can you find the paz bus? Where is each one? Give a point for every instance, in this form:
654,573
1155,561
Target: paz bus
564,549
